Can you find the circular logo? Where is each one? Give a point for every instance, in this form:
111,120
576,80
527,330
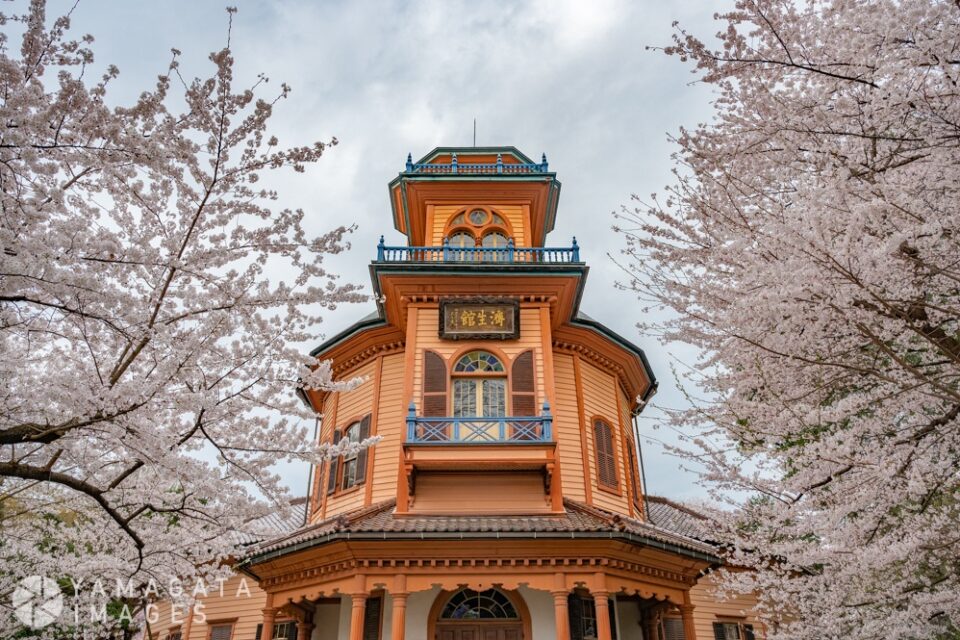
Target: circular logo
37,601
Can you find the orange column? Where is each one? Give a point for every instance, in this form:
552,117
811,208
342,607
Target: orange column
556,481
304,631
686,611
269,615
561,615
356,615
410,358
602,606
398,622
359,596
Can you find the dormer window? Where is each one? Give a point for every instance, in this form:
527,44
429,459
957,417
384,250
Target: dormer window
478,228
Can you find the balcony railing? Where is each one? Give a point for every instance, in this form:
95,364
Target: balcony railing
479,430
493,168
509,254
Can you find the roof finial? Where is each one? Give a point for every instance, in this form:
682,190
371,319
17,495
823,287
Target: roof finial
543,162
409,162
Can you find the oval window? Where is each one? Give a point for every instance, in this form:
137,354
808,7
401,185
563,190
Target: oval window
479,216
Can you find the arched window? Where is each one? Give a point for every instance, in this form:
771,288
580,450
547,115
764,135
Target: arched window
479,386
468,604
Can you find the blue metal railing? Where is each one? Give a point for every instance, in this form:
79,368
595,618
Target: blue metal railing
492,168
479,430
508,254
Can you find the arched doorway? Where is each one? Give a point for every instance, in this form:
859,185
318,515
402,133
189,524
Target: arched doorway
479,615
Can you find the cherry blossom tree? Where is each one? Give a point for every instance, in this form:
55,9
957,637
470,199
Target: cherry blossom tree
810,248
154,302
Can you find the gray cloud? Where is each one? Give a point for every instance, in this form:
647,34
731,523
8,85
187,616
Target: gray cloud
569,78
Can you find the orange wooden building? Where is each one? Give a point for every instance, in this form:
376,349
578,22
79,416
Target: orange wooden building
504,499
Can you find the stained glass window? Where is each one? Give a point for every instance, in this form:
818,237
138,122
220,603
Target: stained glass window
498,220
478,362
468,604
457,220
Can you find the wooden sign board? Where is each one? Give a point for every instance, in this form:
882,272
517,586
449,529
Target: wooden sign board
480,319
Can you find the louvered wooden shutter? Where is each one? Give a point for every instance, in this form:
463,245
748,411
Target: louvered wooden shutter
332,478
221,632
259,632
362,456
371,619
606,463
292,634
524,391
718,632
434,385
575,613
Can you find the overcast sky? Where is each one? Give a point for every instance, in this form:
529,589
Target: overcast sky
570,79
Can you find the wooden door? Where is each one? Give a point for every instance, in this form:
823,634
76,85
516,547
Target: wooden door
460,631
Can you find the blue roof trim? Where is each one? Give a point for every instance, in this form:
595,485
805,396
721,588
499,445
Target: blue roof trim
587,322
369,321
436,151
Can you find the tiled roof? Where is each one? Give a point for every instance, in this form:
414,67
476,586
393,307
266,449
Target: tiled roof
579,520
274,524
677,518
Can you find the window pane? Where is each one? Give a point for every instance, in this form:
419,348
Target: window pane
462,239
350,473
495,397
464,398
495,240
673,629
589,618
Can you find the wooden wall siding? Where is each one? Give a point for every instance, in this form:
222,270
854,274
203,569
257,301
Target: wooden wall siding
351,405
245,611
489,493
566,425
517,215
709,609
600,400
427,339
391,426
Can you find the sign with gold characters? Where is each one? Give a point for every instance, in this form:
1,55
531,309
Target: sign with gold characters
480,319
